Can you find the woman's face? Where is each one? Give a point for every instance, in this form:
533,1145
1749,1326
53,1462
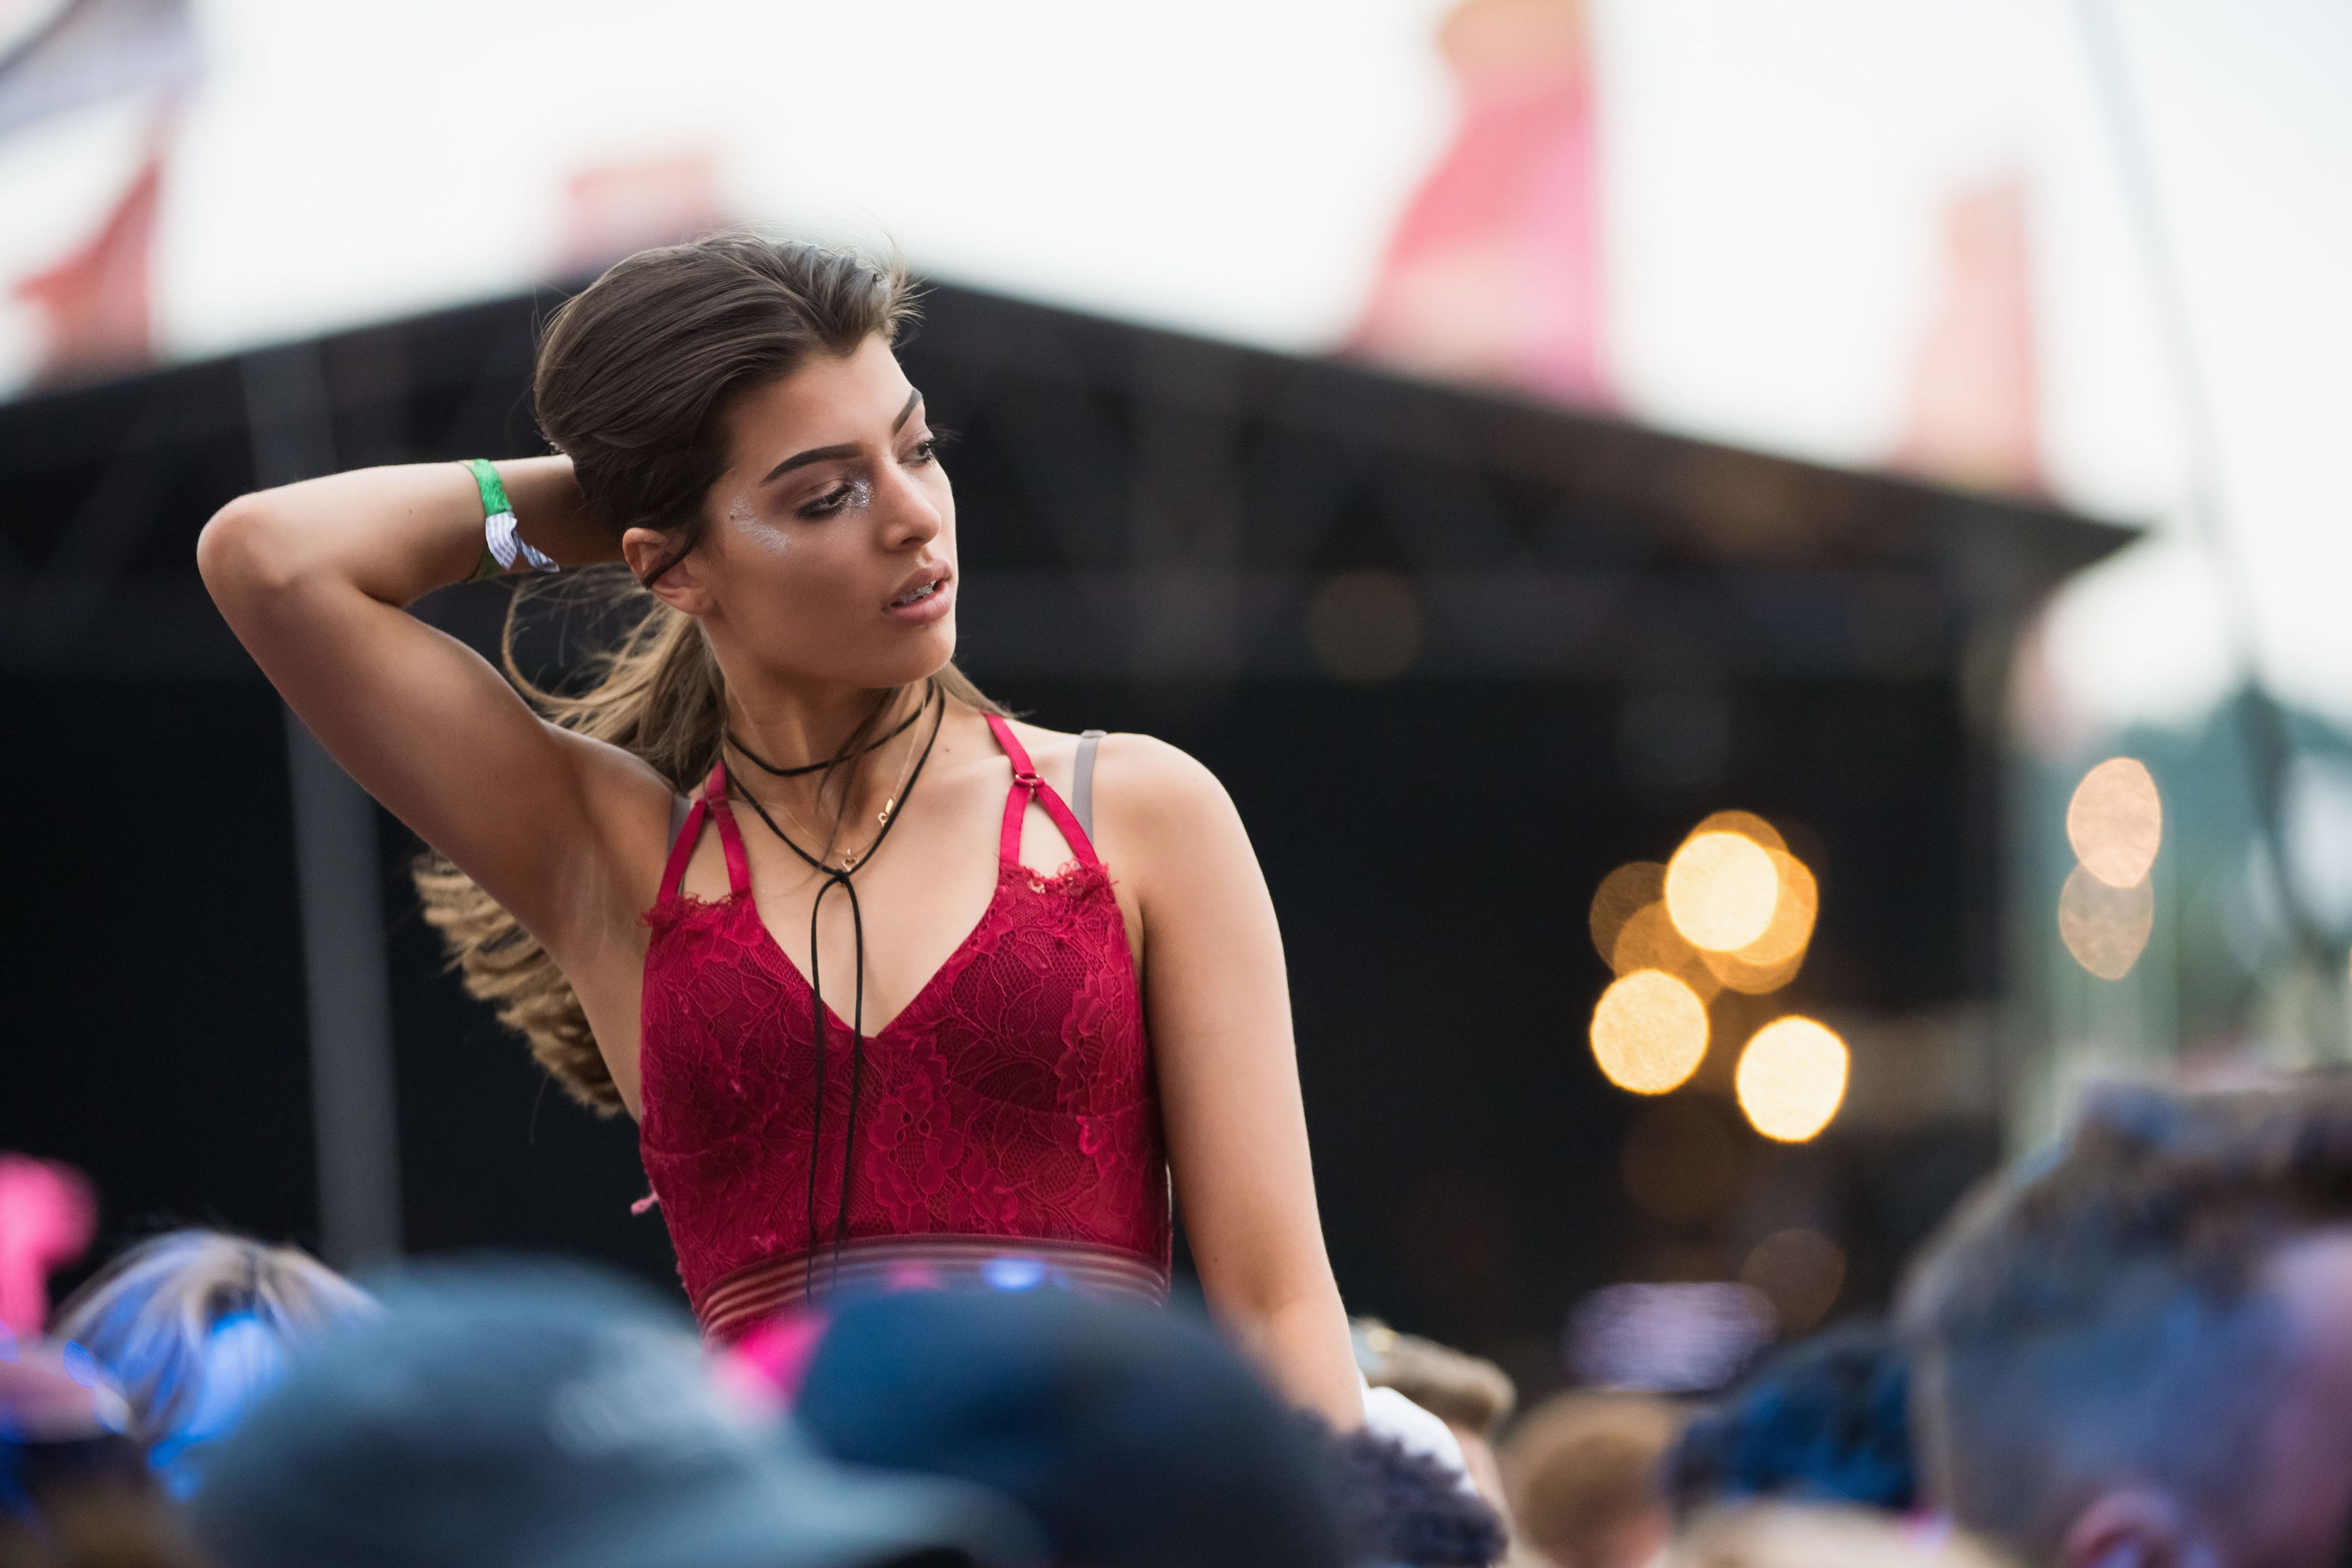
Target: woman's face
829,551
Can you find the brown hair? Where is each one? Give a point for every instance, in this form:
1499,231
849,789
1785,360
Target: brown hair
1582,1470
2101,1315
635,375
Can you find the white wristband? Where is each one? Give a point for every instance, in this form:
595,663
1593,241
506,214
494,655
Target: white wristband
498,532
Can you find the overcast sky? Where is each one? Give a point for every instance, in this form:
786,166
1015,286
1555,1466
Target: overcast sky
1774,179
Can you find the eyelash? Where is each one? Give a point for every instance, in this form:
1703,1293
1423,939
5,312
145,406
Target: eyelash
926,451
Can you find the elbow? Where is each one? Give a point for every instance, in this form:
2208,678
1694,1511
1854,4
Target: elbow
243,550
1254,1299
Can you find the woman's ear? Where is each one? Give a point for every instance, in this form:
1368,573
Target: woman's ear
680,585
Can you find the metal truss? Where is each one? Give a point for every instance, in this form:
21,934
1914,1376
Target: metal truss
1134,505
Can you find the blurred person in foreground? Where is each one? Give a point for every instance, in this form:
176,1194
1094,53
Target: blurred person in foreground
2139,1352
1786,1535
194,1326
1826,1419
74,1491
1583,1472
988,1043
1469,1395
537,1415
1136,1439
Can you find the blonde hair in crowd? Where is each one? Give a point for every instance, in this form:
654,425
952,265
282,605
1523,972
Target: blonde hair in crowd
633,375
149,1316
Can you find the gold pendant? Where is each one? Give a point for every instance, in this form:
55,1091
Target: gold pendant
888,807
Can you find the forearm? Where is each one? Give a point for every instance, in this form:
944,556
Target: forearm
392,533
1302,1346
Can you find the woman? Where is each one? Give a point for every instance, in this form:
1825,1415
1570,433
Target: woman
869,841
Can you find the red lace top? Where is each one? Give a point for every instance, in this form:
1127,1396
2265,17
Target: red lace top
1007,1119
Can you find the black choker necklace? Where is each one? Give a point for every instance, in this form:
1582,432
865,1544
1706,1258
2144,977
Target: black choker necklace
772,770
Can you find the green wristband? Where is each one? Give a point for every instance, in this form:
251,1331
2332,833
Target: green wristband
501,546
493,489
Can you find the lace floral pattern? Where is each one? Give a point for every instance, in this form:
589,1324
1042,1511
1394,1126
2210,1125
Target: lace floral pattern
1013,1097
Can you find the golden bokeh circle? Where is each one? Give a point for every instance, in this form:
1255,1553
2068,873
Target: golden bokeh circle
1793,913
1649,940
2116,822
1649,1032
2104,926
1622,894
1732,972
1746,824
1792,1079
1721,890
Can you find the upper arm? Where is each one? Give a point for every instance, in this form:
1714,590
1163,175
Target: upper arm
427,727
1218,1005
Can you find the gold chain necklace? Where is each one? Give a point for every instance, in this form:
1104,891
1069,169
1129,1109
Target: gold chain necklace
850,861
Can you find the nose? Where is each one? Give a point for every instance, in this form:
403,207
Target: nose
910,515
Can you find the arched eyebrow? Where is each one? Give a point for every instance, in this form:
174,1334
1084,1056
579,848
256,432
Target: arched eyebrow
845,449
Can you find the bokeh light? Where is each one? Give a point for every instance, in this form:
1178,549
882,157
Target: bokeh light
1772,960
1792,1079
2116,822
1650,940
1734,869
1364,626
1649,1032
1721,890
1735,972
1746,824
1791,928
1801,1271
2104,926
1681,1158
1622,894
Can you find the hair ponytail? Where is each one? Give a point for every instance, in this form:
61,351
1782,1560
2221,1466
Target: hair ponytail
633,373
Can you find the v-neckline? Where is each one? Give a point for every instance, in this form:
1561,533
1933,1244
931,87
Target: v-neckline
957,956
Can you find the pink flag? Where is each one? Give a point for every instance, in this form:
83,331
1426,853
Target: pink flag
1974,413
95,303
48,1216
1494,272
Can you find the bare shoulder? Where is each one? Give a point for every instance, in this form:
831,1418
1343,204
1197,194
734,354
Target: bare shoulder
1156,784
1142,785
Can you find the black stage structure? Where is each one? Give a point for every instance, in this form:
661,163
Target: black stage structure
1455,655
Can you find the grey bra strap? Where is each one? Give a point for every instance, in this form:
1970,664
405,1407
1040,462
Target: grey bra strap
1082,784
678,807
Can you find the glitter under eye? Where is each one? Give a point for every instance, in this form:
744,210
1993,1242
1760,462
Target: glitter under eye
851,493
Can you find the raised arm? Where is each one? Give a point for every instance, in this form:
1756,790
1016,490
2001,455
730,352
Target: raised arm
1217,1001
313,578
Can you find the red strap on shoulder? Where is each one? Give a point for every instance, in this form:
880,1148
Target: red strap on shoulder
1028,787
1013,748
689,833
730,837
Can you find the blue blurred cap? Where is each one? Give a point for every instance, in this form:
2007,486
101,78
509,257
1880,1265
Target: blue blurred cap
1134,1437
544,1415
